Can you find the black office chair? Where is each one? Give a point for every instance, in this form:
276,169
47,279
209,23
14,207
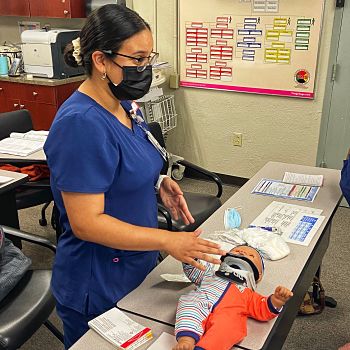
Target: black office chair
201,205
33,193
30,303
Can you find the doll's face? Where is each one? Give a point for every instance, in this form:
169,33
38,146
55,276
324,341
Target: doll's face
252,255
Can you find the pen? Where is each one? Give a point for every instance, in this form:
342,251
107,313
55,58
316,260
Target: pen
267,228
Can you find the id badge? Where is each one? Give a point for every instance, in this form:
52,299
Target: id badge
156,144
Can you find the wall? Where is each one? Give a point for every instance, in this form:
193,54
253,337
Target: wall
274,128
9,26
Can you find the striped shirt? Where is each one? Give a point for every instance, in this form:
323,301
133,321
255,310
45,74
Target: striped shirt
194,307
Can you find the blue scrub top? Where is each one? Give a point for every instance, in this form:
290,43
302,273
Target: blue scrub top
89,150
345,180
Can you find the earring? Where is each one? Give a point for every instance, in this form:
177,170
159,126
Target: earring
103,76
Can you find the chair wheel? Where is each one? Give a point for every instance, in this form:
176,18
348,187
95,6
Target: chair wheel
43,222
331,302
177,174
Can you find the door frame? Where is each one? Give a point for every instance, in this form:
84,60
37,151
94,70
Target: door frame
333,57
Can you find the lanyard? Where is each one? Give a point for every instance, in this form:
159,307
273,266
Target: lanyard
138,119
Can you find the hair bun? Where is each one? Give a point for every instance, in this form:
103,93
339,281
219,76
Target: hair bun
68,56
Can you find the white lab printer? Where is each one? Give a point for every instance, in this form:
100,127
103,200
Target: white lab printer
42,52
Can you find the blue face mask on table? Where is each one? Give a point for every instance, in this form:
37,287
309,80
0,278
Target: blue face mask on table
232,219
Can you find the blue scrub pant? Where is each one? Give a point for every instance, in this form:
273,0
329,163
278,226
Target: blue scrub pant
75,324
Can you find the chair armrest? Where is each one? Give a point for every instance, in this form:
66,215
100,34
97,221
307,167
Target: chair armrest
165,212
29,237
205,172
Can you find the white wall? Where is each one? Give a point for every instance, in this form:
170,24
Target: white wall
9,25
274,128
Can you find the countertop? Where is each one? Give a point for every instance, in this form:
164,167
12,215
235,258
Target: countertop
41,81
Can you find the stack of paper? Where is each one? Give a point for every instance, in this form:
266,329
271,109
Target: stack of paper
120,330
23,144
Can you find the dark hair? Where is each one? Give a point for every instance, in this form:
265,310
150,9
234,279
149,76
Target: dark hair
106,28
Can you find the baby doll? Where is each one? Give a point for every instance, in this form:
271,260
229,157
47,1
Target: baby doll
214,315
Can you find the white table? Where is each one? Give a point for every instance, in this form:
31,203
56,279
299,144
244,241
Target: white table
156,299
93,341
8,208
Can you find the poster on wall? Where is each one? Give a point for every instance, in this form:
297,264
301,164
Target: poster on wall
254,46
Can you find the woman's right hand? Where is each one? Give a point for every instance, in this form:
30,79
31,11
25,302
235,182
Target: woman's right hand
188,247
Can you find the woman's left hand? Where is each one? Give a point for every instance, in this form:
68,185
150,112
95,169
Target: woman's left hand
172,197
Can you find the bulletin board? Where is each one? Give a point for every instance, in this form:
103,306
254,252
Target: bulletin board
254,46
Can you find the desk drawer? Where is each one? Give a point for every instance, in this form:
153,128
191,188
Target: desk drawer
41,94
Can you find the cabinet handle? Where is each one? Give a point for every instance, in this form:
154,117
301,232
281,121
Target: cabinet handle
66,12
21,106
1,89
15,105
35,93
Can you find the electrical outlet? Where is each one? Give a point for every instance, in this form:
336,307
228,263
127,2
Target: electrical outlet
237,139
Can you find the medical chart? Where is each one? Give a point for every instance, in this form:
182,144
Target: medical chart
254,46
296,224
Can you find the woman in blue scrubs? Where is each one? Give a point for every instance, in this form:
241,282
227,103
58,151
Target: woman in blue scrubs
104,170
345,178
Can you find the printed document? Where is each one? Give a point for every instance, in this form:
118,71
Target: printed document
296,224
281,189
166,341
303,179
120,330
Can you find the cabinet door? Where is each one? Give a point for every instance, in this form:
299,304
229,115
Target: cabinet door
40,94
42,114
13,104
14,8
57,8
3,99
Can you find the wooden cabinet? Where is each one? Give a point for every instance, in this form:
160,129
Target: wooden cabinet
57,8
42,8
41,101
14,8
3,102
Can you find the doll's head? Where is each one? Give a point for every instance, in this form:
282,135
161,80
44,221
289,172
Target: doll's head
246,258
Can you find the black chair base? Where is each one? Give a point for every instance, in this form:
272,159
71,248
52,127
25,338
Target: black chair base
54,331
42,220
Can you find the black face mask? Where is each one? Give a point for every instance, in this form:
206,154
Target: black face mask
134,85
